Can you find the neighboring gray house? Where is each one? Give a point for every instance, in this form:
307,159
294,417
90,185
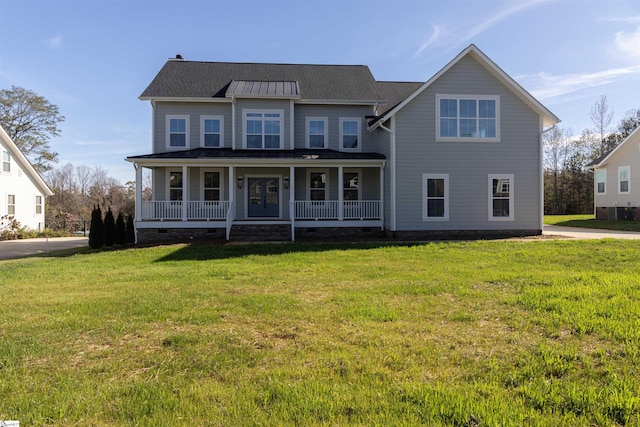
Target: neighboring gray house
616,195
281,151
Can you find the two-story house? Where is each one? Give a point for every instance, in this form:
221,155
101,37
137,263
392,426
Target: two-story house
22,190
295,151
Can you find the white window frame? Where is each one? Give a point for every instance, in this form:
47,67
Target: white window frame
326,184
425,196
168,195
477,98
186,118
203,133
38,208
357,171
11,205
341,142
220,178
6,162
604,181
511,216
620,170
245,112
325,120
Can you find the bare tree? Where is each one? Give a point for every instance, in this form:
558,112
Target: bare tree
601,116
557,148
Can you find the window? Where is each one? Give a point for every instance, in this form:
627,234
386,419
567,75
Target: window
350,186
318,185
211,186
316,132
6,161
435,190
177,131
601,181
11,204
350,133
468,118
263,129
501,197
211,131
175,186
38,205
623,178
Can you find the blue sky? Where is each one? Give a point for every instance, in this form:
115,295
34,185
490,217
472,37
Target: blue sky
94,58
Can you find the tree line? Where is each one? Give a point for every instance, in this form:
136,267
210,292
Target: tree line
568,182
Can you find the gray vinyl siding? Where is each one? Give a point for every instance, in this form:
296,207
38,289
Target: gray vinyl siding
333,113
627,155
253,104
381,143
194,110
467,163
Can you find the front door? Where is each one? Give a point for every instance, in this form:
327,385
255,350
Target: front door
264,200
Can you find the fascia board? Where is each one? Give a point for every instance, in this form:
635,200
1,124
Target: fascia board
24,163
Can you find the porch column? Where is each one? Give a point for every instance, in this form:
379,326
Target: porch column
232,186
185,192
292,198
382,197
138,207
340,193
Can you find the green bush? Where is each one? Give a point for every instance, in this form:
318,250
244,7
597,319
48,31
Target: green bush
109,228
130,231
96,231
120,234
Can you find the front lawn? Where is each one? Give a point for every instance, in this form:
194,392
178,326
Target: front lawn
587,221
464,333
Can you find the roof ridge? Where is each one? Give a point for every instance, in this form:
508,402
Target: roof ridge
171,60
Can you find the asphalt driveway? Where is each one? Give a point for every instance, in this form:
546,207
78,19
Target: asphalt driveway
28,247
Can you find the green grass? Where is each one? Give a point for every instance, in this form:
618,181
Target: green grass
587,221
464,333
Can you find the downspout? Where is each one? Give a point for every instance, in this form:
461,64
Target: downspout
392,173
233,122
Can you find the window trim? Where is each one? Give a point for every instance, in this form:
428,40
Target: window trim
168,195
341,142
280,112
308,129
220,178
425,199
184,117
477,98
359,189
628,169
11,206
511,216
6,162
203,134
604,174
326,184
39,205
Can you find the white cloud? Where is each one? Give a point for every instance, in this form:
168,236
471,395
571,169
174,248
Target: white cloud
85,143
437,32
629,43
53,42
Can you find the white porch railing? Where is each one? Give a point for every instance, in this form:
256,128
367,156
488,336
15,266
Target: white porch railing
330,209
196,210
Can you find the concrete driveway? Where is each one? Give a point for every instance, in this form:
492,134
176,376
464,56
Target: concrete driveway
28,247
588,233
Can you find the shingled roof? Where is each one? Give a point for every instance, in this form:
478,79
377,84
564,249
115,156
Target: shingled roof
191,79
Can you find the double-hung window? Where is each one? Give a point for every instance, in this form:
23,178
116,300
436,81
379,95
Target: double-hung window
211,131
501,198
177,132
435,190
263,129
467,118
350,133
318,181
175,186
11,204
317,132
601,181
211,185
38,205
350,186
623,179
6,161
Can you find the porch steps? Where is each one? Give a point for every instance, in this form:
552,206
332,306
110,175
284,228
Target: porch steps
260,232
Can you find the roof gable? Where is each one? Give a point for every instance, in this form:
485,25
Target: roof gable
24,163
603,160
548,118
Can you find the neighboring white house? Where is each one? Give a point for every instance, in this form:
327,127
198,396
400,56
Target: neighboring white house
22,190
616,184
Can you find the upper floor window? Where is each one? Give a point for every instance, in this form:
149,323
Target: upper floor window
11,204
177,131
501,198
263,129
601,181
6,161
468,118
623,176
435,190
317,132
38,205
350,133
211,131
